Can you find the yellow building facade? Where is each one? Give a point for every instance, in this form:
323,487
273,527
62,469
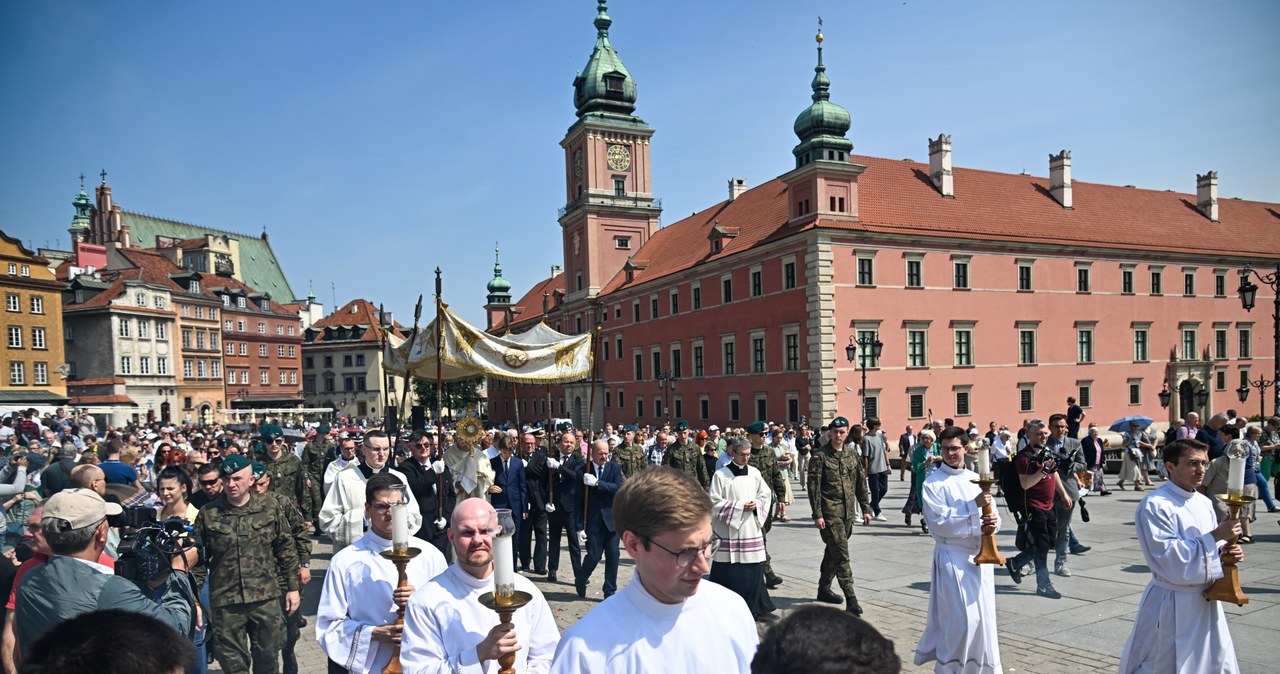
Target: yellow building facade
35,369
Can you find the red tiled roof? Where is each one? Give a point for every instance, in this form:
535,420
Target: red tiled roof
102,400
529,308
96,381
897,197
357,312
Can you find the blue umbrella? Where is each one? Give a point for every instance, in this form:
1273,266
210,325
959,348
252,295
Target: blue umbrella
1122,424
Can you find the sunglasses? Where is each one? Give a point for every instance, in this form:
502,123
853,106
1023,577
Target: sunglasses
209,483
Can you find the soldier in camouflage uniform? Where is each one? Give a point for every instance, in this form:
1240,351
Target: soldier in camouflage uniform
685,456
837,485
315,456
629,456
294,622
767,464
250,560
288,475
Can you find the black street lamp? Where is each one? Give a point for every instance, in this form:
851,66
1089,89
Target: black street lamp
666,384
1164,395
1248,297
871,347
1262,384
1202,396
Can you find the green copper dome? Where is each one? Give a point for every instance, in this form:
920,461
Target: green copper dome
604,85
499,288
81,219
822,125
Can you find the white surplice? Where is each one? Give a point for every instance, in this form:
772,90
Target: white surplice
444,622
960,635
1176,629
357,598
708,633
741,531
472,472
331,471
342,515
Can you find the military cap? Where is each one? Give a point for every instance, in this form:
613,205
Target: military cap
258,469
839,422
234,464
564,426
225,441
758,428
323,429
629,428
269,431
539,433
682,425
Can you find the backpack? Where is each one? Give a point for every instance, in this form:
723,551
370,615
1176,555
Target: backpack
27,431
1171,435
1015,498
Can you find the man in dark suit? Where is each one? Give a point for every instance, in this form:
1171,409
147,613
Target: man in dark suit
906,442
509,489
602,479
566,503
426,479
533,531
1069,455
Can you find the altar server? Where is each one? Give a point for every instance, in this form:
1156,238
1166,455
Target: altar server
1176,630
961,633
740,501
355,621
447,629
342,515
668,619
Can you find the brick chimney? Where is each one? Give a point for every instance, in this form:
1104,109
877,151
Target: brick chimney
736,187
940,165
1207,195
1060,177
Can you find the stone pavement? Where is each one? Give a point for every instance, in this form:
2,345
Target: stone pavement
1085,631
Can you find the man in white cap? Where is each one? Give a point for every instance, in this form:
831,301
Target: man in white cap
73,582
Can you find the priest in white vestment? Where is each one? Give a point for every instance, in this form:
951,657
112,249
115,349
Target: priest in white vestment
740,502
1176,629
355,621
960,636
472,472
668,618
346,458
342,515
448,631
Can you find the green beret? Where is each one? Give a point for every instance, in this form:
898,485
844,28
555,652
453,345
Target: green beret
234,464
629,428
756,428
323,429
839,422
258,469
564,426
269,431
682,425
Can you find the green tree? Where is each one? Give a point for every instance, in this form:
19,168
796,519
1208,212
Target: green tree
458,395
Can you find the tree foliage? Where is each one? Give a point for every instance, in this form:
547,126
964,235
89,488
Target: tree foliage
458,396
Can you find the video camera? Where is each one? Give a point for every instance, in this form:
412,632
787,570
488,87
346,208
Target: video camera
146,545
1045,456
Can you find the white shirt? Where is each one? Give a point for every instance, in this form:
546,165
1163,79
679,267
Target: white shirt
708,633
331,471
444,622
357,598
342,515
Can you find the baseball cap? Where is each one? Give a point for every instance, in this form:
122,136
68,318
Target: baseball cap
713,427
78,508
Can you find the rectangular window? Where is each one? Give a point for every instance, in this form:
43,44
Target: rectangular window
187,369
244,351
791,351
619,187
675,302
40,373
676,369
186,338
914,274
262,350
726,290
735,413
161,330
916,349
144,365
871,404
200,340
280,351
279,329
1157,277
1189,283
639,407
1084,346
1082,279
1220,344
698,367
1219,285
621,399
216,369
1026,347
866,271
1188,344
239,326
729,367
17,372
757,357
1083,391
961,280
262,328
964,348
13,302
638,367
1135,393
1024,277
284,379
227,325
199,310
697,298
762,408
264,377
757,287
37,304
635,312
142,328
1126,281
788,276
359,357
622,242
15,337
126,364
1140,353
1220,380
704,409
962,403
606,345
653,307
915,405
866,357
1026,402
162,365
678,407
124,327
1245,343
657,362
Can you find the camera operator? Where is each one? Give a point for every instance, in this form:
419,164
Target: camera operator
1038,479
72,582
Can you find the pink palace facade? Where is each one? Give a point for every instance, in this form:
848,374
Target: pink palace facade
995,296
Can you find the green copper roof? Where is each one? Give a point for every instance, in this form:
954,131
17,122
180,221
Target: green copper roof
499,288
259,267
81,219
822,125
604,85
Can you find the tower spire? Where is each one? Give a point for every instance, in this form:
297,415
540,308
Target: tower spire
821,127
604,86
79,228
499,289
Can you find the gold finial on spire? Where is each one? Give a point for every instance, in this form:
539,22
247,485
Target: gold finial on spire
818,37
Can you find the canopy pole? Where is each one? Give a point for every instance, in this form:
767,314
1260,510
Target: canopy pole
404,395
439,350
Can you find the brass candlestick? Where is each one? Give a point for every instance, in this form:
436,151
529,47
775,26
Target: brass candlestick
401,560
988,554
1227,588
506,608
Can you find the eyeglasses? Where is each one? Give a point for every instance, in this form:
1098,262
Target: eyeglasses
209,483
687,556
382,508
1198,464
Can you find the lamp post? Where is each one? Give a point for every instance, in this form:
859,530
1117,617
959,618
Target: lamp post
871,347
666,384
1248,296
1164,395
1262,384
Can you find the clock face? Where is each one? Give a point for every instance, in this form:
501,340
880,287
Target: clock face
577,163
619,157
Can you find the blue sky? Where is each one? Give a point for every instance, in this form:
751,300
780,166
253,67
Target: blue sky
377,140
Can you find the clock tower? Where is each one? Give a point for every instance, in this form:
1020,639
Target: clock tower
609,210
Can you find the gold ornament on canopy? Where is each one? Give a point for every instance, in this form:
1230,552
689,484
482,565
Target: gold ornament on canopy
470,430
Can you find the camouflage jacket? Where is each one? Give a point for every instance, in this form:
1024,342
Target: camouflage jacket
289,480
631,459
836,482
315,456
301,537
249,552
765,462
688,458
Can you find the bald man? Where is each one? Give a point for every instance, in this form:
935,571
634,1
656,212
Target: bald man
89,476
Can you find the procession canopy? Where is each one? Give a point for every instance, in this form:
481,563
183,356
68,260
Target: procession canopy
538,356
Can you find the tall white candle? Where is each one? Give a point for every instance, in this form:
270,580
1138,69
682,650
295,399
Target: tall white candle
984,463
504,567
1235,477
400,527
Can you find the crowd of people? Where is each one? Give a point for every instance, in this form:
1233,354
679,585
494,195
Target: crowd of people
209,531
